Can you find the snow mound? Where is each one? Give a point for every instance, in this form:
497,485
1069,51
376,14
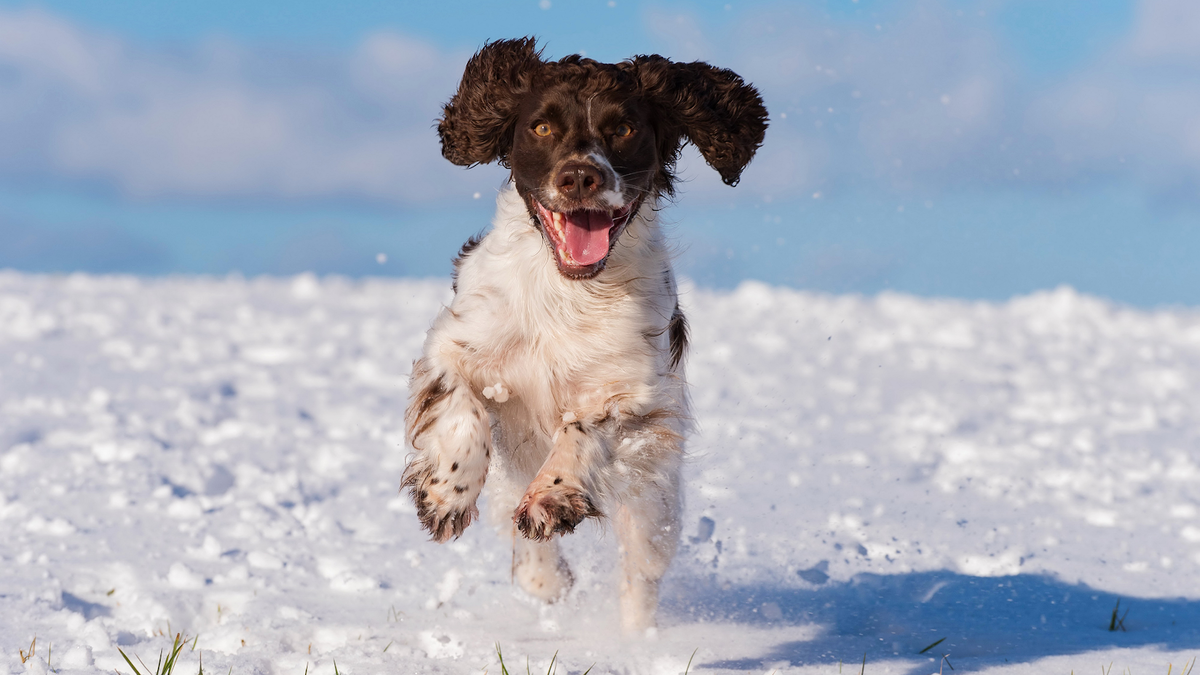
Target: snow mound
220,458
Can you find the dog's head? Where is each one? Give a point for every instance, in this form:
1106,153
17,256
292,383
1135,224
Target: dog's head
588,142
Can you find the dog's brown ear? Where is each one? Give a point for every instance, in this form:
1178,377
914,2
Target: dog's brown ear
712,107
477,124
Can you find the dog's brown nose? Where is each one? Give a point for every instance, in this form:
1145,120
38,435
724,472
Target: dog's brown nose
579,180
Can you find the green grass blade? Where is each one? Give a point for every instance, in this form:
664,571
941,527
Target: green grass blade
932,646
689,665
173,657
503,669
124,656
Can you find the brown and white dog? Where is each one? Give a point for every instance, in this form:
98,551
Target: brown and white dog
557,370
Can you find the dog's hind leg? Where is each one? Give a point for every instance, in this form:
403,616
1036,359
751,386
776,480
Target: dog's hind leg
450,430
540,570
647,525
536,565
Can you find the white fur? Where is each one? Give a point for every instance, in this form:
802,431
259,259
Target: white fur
613,193
590,398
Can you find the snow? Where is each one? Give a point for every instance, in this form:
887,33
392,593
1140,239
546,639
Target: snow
220,458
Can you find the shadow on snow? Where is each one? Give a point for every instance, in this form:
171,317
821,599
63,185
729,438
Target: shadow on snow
984,620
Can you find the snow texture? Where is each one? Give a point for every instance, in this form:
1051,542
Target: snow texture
220,458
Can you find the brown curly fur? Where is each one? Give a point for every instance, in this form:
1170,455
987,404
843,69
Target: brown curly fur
712,107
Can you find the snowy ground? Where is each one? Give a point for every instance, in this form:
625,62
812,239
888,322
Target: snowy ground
221,458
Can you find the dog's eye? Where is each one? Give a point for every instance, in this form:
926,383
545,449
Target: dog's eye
542,129
623,130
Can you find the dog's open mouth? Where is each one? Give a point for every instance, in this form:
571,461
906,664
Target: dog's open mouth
583,239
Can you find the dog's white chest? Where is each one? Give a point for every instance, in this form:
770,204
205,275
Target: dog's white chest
550,343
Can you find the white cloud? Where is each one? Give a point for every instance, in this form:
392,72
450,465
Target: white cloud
1167,29
925,99
918,99
222,120
1135,112
930,99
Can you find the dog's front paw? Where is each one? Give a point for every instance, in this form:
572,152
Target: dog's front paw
445,506
553,508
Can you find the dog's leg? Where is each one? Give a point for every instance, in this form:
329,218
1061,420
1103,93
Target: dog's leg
540,569
450,431
647,524
565,489
537,565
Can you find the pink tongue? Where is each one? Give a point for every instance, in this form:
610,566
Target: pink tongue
587,236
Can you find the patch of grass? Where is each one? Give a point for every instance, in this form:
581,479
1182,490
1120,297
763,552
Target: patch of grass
549,670
932,646
553,667
1185,670
165,666
1114,623
32,650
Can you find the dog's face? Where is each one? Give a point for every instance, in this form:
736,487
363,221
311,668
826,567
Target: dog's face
583,161
589,142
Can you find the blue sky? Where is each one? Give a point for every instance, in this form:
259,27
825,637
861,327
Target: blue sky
950,148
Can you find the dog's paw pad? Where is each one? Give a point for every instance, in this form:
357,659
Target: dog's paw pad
445,506
553,509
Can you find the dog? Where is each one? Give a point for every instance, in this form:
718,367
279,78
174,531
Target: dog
556,374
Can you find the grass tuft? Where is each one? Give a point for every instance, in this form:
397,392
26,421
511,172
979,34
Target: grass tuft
553,667
932,646
164,666
1186,669
1114,623
500,655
